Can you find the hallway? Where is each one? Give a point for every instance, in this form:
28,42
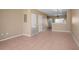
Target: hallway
43,41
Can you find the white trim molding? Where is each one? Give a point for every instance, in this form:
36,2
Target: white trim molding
15,36
11,37
26,35
60,31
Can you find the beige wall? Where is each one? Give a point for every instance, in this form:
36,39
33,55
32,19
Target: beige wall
11,22
68,20
75,24
0,25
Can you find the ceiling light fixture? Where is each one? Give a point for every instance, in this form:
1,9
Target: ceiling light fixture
59,13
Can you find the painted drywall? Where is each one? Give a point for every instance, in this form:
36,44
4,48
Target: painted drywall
75,24
0,25
68,20
11,22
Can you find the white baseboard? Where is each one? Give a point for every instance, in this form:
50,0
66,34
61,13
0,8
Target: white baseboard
59,31
15,36
26,35
11,37
75,39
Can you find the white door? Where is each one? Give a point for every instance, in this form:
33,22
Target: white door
34,24
43,23
40,23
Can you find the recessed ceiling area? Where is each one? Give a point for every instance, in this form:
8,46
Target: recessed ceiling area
54,12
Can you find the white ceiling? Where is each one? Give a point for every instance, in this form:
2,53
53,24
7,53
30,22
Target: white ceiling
54,12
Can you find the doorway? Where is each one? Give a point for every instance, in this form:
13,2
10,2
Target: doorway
34,24
40,23
50,21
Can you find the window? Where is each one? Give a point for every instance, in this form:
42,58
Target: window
60,20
